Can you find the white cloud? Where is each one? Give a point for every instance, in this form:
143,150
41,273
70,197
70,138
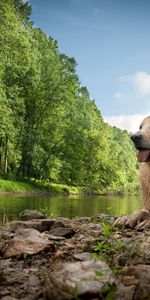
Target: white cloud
122,96
137,87
141,81
129,122
135,92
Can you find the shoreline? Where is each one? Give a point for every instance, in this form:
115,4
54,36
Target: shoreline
16,187
40,192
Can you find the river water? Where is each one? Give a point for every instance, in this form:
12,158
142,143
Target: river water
66,206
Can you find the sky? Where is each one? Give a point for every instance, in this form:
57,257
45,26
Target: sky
110,40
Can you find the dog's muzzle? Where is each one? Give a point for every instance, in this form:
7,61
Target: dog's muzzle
142,146
137,140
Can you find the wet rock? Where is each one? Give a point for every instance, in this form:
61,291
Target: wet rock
62,231
27,241
31,214
85,280
40,225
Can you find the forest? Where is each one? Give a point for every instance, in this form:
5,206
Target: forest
50,129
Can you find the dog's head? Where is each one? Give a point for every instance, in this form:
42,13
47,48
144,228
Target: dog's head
141,140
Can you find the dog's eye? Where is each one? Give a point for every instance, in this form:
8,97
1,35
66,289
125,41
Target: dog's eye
140,127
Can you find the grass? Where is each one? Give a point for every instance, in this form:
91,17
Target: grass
60,188
44,186
39,186
16,186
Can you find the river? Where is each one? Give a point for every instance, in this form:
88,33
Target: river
66,206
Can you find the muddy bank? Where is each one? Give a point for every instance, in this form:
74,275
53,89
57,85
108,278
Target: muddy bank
84,258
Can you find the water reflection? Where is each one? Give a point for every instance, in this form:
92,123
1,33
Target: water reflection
67,206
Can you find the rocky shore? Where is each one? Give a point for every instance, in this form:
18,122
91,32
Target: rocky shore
83,258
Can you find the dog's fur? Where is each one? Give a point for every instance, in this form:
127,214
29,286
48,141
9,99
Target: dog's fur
141,219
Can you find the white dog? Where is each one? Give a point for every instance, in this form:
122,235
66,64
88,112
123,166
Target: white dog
141,140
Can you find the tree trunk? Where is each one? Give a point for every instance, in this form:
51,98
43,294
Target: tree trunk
1,145
6,156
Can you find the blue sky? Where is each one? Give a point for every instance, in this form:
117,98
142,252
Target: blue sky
110,40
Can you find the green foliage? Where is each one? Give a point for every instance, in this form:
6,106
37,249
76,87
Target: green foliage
107,229
107,246
50,129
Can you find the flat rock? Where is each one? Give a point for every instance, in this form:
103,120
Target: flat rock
40,225
80,279
54,237
62,231
27,241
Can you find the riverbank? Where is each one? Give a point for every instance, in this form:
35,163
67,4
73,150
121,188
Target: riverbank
83,258
7,186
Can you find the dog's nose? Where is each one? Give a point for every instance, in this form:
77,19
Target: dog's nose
136,138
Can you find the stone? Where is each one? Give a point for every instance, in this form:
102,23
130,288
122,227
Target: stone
31,214
125,292
46,275
129,280
27,242
83,256
92,226
142,274
5,264
58,224
145,249
62,231
84,219
40,225
79,280
5,231
54,237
